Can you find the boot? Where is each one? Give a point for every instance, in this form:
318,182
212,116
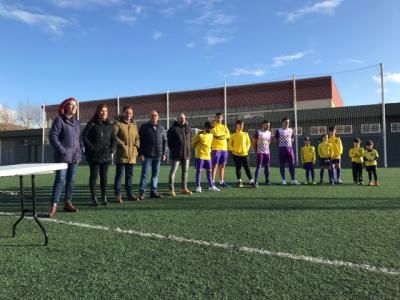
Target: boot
94,201
68,207
53,210
119,199
104,200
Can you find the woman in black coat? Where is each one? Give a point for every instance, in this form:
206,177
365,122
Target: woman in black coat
100,142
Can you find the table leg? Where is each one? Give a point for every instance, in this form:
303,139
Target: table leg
46,236
21,190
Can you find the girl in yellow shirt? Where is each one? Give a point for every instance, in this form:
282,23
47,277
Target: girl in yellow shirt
325,152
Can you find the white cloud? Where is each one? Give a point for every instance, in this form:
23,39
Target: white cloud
51,23
190,45
212,18
249,72
213,40
80,3
355,61
327,7
130,16
157,35
388,77
284,59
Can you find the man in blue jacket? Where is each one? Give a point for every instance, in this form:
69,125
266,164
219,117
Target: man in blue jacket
152,150
65,137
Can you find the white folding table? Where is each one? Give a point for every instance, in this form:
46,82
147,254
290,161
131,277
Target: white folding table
22,170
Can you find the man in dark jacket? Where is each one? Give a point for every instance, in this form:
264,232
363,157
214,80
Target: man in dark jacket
179,139
65,137
152,150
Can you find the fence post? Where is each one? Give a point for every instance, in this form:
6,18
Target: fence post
225,104
167,110
295,119
43,129
383,119
118,112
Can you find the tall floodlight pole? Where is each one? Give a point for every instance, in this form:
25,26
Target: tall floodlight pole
225,104
43,129
383,119
295,119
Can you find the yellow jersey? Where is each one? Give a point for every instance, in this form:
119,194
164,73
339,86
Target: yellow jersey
221,135
308,154
201,142
337,146
357,154
325,150
371,157
239,143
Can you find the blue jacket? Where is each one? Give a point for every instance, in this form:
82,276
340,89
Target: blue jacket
65,137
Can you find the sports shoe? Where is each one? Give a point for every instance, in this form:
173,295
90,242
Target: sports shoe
239,184
332,182
256,184
371,183
224,185
339,181
377,183
214,189
155,195
283,182
361,183
252,183
141,196
132,198
294,182
267,182
172,193
118,199
313,183
198,189
186,191
68,207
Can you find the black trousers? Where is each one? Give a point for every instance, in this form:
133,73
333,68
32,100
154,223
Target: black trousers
239,162
371,171
357,171
95,169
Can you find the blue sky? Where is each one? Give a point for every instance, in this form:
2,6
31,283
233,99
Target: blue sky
94,49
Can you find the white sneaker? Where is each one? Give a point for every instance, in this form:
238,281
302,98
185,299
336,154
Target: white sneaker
198,189
295,182
283,182
214,189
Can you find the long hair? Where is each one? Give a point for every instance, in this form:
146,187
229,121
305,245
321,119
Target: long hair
99,107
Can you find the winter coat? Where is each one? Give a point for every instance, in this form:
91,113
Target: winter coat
179,138
100,141
153,142
65,137
127,141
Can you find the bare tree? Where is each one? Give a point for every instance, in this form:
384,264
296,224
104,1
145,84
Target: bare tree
29,115
7,116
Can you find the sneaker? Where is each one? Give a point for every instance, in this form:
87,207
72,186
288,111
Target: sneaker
294,182
377,183
172,193
186,191
256,184
252,183
118,199
239,184
68,207
283,182
314,183
332,182
198,189
155,195
224,185
267,182
339,181
355,182
214,189
361,183
371,183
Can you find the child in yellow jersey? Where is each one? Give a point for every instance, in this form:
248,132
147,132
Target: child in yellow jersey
202,144
357,154
337,146
308,160
239,144
325,153
371,157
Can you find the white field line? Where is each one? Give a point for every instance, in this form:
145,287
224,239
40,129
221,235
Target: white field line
310,259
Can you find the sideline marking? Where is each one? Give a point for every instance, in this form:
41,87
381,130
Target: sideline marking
310,259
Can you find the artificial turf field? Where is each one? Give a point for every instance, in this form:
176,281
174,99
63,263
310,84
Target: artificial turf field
347,223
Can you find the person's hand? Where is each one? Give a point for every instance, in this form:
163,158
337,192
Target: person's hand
164,157
142,157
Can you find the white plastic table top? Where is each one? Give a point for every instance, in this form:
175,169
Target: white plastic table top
30,169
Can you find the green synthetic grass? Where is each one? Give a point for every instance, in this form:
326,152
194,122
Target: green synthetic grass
359,224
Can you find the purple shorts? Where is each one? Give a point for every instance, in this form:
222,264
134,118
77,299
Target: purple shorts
325,162
202,164
308,166
219,157
335,161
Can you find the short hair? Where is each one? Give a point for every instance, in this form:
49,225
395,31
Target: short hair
307,138
239,122
218,114
207,124
322,136
285,119
332,128
127,107
357,140
370,143
265,121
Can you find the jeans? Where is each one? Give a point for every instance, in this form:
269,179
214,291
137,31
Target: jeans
94,172
128,178
67,176
174,167
153,163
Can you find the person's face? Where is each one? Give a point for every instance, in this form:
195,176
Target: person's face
240,126
325,138
71,108
356,144
208,129
154,117
285,124
266,126
369,147
182,119
128,113
306,142
103,113
218,119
